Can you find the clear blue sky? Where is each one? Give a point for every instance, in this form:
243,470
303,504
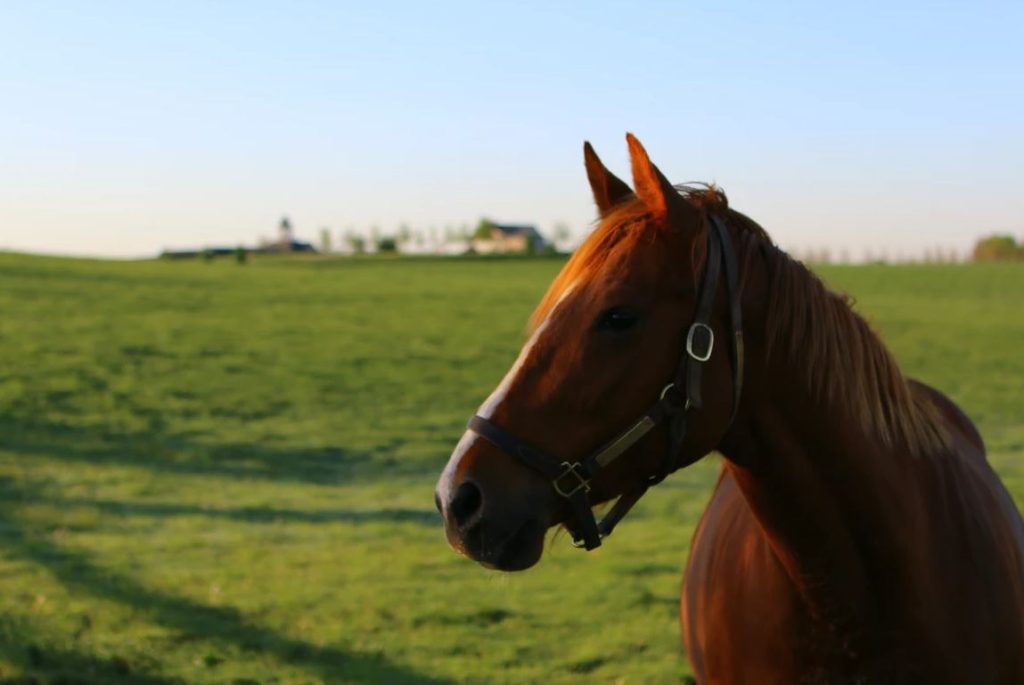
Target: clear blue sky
128,127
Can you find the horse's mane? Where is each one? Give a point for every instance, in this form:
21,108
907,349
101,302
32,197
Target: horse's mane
842,360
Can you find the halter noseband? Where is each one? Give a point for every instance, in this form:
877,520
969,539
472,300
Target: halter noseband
571,480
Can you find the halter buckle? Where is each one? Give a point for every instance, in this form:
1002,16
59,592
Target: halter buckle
580,483
580,543
704,354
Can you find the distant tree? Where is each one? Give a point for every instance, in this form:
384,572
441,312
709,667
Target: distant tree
561,233
325,240
387,244
483,229
356,243
997,248
404,233
241,255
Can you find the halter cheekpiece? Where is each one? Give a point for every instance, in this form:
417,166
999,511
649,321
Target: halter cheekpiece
682,394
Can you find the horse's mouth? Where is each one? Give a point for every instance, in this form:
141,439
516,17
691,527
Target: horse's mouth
515,551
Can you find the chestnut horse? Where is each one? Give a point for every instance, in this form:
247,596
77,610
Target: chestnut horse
857,533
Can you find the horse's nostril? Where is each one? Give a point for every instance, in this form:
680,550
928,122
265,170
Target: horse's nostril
466,502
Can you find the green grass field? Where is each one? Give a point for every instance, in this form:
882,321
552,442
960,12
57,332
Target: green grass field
212,473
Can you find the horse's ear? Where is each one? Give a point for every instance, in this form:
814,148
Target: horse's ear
609,190
653,188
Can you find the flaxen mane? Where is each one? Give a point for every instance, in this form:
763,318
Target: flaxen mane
842,360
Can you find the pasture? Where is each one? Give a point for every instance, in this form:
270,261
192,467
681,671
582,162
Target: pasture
213,473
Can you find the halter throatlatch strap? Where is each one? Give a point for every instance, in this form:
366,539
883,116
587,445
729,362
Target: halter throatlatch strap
732,287
571,480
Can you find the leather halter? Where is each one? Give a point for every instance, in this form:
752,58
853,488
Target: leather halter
571,480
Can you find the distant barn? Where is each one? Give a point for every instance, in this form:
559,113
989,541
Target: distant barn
510,239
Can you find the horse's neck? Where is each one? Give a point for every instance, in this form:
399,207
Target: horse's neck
826,493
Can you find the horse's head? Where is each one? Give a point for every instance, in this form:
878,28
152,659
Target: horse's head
606,341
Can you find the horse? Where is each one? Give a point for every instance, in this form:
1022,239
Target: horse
856,534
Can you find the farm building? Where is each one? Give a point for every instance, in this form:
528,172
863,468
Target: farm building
286,241
510,238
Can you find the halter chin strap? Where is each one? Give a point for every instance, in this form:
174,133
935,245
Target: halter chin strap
571,480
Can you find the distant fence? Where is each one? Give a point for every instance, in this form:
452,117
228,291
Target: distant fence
825,255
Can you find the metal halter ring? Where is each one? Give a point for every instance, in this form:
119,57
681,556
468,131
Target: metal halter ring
671,387
689,341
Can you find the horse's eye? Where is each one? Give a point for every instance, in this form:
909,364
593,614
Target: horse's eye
617,320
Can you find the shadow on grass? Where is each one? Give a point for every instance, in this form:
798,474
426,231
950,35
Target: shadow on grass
188,454
19,647
42,660
191,619
261,514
